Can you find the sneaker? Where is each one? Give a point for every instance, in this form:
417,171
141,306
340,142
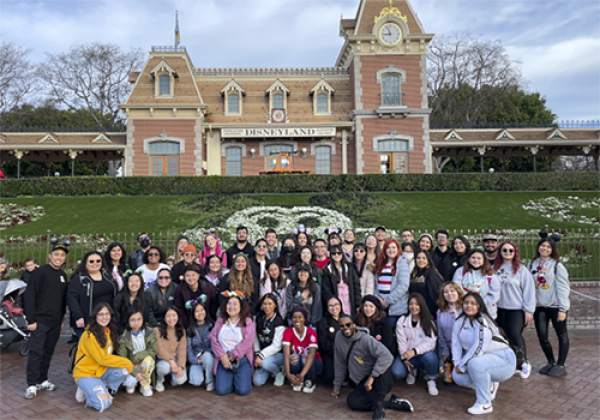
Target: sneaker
494,390
525,370
378,412
297,388
113,392
130,389
309,386
410,379
481,409
146,391
160,387
210,386
557,371
431,387
546,369
46,386
400,404
80,395
279,379
31,392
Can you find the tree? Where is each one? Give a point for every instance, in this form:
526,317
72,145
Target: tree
91,76
17,77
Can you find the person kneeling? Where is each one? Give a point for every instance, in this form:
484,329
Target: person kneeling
172,346
98,373
199,354
368,363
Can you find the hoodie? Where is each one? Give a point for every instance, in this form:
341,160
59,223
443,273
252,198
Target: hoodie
552,286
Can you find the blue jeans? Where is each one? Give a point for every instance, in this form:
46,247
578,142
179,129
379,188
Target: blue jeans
393,321
163,368
94,387
78,331
315,369
270,366
427,362
239,378
497,366
198,373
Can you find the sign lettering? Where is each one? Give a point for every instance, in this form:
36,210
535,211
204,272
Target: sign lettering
278,132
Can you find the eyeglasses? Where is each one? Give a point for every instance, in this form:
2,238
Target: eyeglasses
346,326
333,305
94,261
261,246
510,251
163,278
153,254
336,253
187,254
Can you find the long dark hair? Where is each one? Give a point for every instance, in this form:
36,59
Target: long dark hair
131,313
207,265
244,310
139,301
98,330
554,255
191,329
308,240
486,268
164,328
280,282
343,263
429,267
246,284
360,245
81,268
464,241
122,261
312,285
288,259
480,313
425,318
362,320
273,298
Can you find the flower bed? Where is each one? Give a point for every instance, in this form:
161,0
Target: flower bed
12,214
561,209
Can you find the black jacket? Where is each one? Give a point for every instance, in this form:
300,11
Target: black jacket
121,309
330,286
438,257
158,302
450,264
255,267
427,284
178,271
326,330
133,259
234,250
383,332
80,295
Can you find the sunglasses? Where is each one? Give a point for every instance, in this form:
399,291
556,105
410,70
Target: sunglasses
153,254
346,326
510,251
94,261
336,253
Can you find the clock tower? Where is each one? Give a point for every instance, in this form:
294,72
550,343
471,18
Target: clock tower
384,51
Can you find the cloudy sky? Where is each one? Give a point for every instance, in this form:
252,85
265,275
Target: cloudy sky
558,42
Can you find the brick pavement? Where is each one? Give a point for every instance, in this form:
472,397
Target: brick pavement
576,396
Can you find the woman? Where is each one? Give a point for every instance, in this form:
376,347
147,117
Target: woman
215,272
98,371
268,358
425,243
240,278
180,245
481,357
348,245
552,290
115,258
231,340
275,282
302,361
191,289
306,256
477,276
450,307
456,257
138,344
326,331
426,280
341,280
199,353
89,286
371,316
172,349
259,261
373,249
392,278
408,252
288,256
154,259
160,296
189,258
517,301
305,293
302,239
212,247
416,335
364,270
131,296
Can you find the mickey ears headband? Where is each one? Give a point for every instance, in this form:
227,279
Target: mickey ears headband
57,244
331,230
302,229
233,293
191,303
555,237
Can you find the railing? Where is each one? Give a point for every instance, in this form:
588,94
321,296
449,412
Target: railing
164,48
520,124
392,99
579,124
119,128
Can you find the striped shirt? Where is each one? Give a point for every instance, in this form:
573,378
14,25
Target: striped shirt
384,280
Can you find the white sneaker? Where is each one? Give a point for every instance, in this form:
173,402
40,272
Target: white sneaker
130,389
309,386
297,388
525,370
80,395
160,387
432,387
210,386
46,386
31,392
481,409
410,379
279,379
146,391
494,390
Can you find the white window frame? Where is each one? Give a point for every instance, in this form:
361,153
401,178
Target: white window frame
323,146
401,74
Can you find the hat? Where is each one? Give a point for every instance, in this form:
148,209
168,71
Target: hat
302,311
374,300
4,260
303,266
380,228
426,234
61,247
189,248
490,237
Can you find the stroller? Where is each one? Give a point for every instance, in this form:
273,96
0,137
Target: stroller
13,328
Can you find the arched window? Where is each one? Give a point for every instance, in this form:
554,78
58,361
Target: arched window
323,160
272,151
164,158
233,161
164,84
390,90
393,156
233,103
278,101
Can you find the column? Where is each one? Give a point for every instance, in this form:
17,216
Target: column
344,151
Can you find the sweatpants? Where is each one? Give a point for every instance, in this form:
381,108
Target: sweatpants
42,343
512,321
362,400
542,317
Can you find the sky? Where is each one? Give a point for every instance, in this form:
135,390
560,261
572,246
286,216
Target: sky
556,42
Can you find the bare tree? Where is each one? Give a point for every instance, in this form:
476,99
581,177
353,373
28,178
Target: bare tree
93,76
16,77
462,72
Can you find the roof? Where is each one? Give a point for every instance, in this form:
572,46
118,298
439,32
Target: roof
369,9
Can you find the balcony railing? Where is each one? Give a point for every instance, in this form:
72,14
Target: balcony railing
163,48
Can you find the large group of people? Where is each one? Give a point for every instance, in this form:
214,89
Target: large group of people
315,311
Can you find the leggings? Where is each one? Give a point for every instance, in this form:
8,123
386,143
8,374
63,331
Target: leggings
512,321
542,317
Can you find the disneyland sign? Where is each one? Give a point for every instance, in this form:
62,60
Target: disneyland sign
278,132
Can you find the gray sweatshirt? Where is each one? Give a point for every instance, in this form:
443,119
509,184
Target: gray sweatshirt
517,291
369,357
553,289
398,297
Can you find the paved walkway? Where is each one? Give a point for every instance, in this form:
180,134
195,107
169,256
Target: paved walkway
575,396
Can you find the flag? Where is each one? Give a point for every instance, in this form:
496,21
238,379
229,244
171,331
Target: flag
177,35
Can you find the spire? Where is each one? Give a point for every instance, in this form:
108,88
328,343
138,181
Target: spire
177,34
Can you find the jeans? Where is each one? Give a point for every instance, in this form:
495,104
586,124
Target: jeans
42,343
270,366
78,331
238,379
163,368
393,321
198,373
497,366
96,389
427,362
297,366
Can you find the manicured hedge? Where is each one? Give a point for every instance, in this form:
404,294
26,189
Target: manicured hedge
182,185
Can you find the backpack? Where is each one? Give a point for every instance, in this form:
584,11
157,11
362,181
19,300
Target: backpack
72,356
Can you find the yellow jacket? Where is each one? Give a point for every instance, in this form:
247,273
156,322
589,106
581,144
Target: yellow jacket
92,360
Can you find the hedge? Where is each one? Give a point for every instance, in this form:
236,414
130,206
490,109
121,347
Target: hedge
194,185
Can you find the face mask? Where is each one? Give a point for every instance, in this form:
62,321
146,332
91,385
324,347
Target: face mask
288,249
348,242
472,267
409,255
145,243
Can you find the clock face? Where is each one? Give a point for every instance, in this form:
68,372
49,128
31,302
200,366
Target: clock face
390,34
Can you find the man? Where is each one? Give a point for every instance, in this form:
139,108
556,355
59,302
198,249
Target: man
407,236
45,307
242,245
381,236
490,243
321,258
271,237
135,259
368,363
441,250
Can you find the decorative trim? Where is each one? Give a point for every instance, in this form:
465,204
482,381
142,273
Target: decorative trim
322,85
452,135
428,161
357,83
48,138
313,146
225,146
164,137
391,69
198,129
269,72
129,152
556,134
394,136
163,67
424,99
277,85
102,138
505,135
360,163
232,85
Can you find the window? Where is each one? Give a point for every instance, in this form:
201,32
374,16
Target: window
323,160
322,103
233,161
164,157
393,156
233,101
164,84
278,101
390,90
273,150
392,146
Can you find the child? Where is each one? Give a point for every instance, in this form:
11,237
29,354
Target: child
172,346
30,265
199,353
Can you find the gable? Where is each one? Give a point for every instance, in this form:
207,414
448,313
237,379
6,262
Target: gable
369,10
48,138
